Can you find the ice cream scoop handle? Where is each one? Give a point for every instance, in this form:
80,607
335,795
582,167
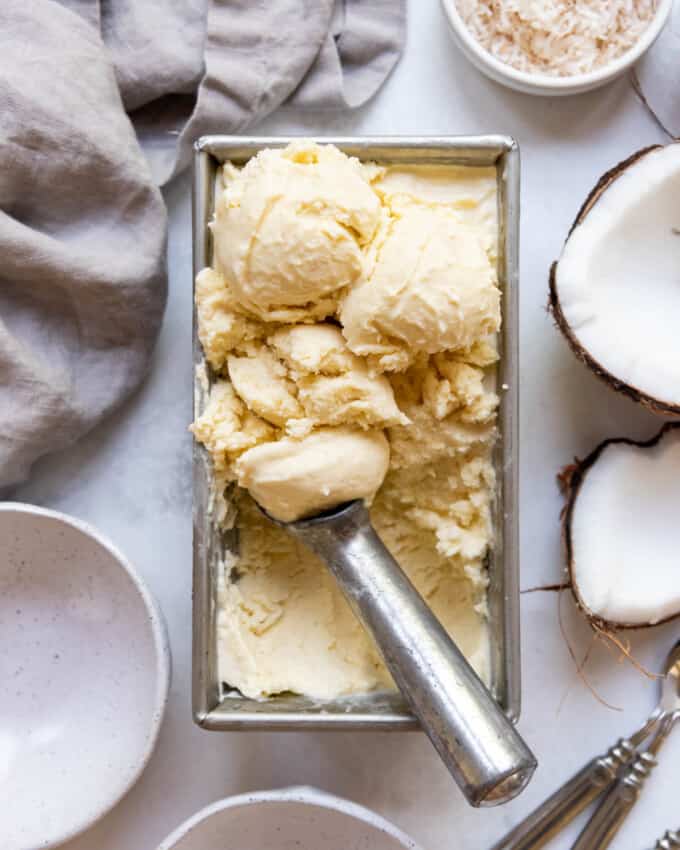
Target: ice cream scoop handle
477,742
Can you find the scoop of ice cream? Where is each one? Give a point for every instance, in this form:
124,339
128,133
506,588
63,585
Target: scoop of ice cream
309,349
334,386
292,478
262,381
221,325
432,288
304,376
290,228
227,427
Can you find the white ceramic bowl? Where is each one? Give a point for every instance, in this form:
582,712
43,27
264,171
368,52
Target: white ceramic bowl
541,83
288,819
84,672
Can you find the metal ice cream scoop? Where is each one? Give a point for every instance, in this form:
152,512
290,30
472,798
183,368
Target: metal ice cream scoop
474,738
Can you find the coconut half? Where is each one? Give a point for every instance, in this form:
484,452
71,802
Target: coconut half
622,531
615,290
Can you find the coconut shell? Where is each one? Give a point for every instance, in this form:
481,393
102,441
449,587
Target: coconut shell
572,484
652,404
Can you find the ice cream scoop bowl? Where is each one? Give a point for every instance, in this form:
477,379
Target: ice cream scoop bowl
474,738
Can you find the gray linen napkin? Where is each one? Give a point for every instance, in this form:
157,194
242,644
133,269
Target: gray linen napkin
82,236
82,223
246,57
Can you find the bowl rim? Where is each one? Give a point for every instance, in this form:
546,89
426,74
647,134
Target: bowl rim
300,794
549,83
162,669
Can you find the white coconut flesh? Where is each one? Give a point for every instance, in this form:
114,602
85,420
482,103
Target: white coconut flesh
625,533
618,279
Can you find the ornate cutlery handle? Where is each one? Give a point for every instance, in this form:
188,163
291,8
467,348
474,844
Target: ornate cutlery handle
669,841
569,800
600,830
609,816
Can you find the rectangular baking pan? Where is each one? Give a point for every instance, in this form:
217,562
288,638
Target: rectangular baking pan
381,710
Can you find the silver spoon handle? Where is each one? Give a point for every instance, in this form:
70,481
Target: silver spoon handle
477,742
615,807
669,841
555,813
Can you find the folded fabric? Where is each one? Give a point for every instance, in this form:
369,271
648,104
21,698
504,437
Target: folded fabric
82,237
82,224
208,66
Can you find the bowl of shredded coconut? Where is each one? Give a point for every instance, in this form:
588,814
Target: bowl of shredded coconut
553,47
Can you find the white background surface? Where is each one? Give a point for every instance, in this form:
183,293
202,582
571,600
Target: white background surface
132,479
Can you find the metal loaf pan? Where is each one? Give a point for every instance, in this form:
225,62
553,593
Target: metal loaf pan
382,710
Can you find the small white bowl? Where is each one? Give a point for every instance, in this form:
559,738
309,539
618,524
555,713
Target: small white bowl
300,818
542,84
84,673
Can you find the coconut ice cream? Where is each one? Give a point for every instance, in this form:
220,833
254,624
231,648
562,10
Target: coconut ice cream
290,228
297,478
301,416
432,288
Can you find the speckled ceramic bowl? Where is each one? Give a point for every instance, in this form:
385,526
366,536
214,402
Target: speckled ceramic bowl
300,818
84,670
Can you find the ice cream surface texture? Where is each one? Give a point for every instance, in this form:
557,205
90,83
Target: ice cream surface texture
431,289
290,228
295,478
349,324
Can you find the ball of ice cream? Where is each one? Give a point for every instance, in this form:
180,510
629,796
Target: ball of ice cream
334,386
432,289
304,376
290,229
221,326
292,479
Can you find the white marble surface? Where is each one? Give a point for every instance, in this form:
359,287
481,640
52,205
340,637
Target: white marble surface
131,478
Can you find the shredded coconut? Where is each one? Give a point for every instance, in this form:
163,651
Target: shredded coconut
557,37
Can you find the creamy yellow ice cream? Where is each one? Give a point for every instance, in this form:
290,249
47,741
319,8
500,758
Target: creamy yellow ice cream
323,390
290,228
432,288
299,413
296,478
223,325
